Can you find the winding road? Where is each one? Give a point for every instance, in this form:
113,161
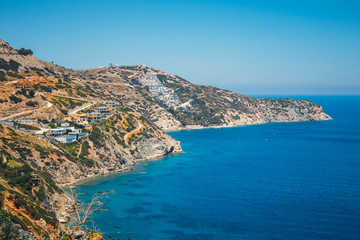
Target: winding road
127,136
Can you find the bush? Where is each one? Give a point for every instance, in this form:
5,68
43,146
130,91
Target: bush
7,230
27,127
64,111
41,193
14,66
96,137
15,75
25,52
31,93
15,99
84,149
9,66
46,88
36,69
1,200
4,64
2,76
31,103
50,71
88,162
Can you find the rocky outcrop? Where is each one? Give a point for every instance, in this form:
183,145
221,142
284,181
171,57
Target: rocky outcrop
8,53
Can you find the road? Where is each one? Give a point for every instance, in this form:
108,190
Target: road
49,105
82,107
127,136
80,99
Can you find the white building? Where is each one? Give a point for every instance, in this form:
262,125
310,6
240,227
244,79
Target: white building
57,131
25,121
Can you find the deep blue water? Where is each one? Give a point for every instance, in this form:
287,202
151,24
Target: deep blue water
303,182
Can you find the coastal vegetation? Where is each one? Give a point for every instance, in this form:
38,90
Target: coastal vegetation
25,52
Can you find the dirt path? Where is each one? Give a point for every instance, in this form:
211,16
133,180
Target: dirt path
82,107
116,84
80,99
79,150
49,105
128,135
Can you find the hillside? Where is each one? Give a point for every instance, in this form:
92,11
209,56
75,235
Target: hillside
60,126
205,105
37,100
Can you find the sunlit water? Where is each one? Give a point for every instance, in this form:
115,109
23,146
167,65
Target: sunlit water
271,181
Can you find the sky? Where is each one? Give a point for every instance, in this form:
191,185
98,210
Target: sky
254,47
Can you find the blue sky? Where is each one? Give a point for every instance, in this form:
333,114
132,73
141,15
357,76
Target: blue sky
252,47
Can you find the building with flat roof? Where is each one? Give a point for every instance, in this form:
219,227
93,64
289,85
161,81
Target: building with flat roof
66,138
110,104
95,116
102,109
25,121
57,132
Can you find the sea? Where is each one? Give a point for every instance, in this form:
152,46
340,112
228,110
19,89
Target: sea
270,181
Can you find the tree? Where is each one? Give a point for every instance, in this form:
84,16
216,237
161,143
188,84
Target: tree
31,93
24,52
81,216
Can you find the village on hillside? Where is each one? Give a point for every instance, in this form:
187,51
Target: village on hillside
74,126
162,93
159,91
81,112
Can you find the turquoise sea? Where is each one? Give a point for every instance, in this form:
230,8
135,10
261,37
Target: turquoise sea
271,181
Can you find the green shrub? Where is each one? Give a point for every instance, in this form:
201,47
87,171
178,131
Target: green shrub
9,66
2,76
7,230
60,86
50,71
64,111
15,75
31,103
1,200
24,52
84,149
15,99
96,136
4,64
17,220
88,162
41,193
46,88
14,66
31,93
27,127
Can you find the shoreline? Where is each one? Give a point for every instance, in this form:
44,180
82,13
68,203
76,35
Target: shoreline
199,127
129,168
